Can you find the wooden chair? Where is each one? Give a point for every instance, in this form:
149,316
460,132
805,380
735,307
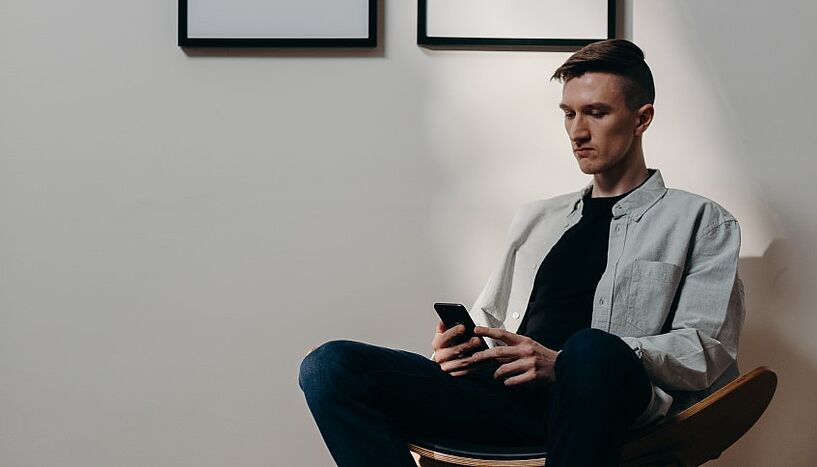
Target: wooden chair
689,438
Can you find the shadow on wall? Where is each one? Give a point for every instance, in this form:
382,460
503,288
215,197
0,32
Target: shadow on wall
771,301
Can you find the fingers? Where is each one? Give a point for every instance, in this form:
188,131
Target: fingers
503,352
525,378
435,343
517,372
457,351
447,337
498,334
465,347
458,365
512,368
440,337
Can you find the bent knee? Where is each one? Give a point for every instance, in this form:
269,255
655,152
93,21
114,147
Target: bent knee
593,349
325,363
590,339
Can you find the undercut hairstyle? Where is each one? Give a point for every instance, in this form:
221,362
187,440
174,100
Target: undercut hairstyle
619,57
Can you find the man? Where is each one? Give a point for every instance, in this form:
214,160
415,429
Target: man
610,308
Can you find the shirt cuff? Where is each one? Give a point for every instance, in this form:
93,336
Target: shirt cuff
635,344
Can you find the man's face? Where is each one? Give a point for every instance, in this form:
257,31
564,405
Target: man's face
599,123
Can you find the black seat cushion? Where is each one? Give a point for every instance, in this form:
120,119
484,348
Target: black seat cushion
481,451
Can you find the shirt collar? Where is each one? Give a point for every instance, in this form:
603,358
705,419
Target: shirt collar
636,203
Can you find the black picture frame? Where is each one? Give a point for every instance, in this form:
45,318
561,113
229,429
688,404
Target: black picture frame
184,39
424,40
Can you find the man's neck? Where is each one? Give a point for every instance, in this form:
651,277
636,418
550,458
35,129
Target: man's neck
606,185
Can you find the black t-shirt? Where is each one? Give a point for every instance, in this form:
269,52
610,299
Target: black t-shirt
561,302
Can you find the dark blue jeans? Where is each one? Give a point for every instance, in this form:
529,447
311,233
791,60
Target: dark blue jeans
367,400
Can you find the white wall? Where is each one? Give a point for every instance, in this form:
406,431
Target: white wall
177,231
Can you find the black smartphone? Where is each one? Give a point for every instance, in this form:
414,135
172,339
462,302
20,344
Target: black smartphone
453,314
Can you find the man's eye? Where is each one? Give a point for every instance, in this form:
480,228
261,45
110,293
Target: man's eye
597,114
568,115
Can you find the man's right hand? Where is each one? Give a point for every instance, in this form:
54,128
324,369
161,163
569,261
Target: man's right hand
453,357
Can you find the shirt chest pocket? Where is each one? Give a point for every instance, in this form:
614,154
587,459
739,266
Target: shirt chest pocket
652,290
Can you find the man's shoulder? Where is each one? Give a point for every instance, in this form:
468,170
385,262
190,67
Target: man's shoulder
702,208
556,204
542,212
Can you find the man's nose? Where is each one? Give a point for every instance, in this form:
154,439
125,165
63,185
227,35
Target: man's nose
577,129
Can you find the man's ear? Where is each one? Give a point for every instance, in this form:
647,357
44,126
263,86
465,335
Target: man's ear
644,114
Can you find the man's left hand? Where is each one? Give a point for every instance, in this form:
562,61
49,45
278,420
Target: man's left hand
523,360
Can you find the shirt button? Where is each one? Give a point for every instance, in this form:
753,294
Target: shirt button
601,301
515,315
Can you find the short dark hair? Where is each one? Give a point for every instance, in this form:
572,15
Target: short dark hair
616,56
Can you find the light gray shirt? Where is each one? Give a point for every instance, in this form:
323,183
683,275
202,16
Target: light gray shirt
670,290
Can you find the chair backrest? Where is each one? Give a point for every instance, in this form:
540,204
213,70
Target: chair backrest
706,429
